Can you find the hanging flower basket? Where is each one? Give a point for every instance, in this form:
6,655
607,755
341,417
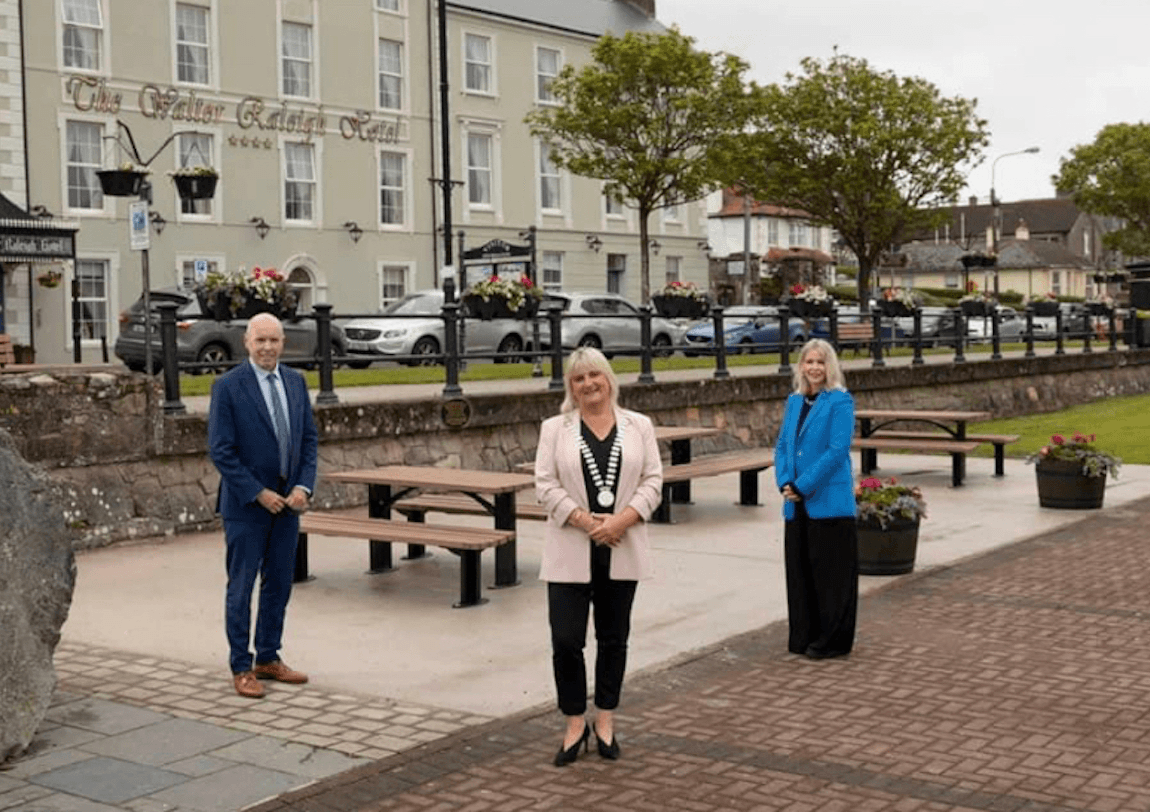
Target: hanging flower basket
196,187
121,182
679,307
889,550
1098,308
49,279
894,309
497,307
1048,307
237,295
976,308
806,309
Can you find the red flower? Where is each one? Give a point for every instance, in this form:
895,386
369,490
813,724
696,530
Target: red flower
871,483
1057,439
797,289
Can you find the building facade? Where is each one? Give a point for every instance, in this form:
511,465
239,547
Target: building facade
323,121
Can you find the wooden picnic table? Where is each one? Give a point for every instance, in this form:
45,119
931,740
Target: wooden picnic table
493,490
680,438
950,421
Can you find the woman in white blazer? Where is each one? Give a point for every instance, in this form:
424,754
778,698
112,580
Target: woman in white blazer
598,474
813,472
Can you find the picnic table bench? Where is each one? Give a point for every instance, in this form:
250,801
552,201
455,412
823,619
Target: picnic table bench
467,542
958,449
748,463
855,334
999,441
875,423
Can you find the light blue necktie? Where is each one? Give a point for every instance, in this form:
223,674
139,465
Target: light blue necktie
280,421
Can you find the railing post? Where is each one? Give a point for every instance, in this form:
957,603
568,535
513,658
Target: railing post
959,336
326,393
917,316
451,387
1132,327
784,340
876,341
1087,330
720,342
1058,348
172,403
995,335
1029,332
1112,331
645,374
834,320
555,323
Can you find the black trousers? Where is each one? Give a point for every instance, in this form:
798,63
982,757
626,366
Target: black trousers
822,583
567,609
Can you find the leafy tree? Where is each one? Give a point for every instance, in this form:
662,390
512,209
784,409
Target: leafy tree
1111,177
866,152
651,116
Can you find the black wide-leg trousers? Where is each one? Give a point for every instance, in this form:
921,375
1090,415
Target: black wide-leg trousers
568,606
822,584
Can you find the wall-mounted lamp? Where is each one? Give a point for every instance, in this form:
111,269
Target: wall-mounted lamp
262,228
703,245
40,211
354,230
594,243
158,222
654,245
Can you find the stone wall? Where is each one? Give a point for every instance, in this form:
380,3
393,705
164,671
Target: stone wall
129,472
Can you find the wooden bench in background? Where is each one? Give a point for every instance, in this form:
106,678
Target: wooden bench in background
958,449
855,334
7,353
999,441
467,542
748,463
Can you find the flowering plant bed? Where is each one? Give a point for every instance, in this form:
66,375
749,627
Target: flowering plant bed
499,298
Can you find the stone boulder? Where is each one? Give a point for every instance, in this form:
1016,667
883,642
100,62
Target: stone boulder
37,574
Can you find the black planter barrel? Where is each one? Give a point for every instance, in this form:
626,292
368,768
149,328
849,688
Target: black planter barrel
887,551
1061,484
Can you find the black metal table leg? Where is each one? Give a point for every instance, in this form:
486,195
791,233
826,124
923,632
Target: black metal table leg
379,507
506,566
749,488
662,514
416,551
469,580
301,574
681,453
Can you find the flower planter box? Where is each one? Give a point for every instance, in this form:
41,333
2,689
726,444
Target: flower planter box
889,550
806,309
218,305
497,308
1045,308
894,309
679,307
1061,484
120,182
976,308
196,187
1097,309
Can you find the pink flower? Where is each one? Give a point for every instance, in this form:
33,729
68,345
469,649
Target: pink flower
797,289
871,483
1057,439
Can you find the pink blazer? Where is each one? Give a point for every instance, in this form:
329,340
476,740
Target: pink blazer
560,489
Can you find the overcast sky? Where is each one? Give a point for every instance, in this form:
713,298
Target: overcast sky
1047,74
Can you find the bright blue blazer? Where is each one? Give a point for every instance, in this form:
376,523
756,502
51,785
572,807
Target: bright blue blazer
242,442
817,460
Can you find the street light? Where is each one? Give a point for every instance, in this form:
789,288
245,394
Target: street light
997,204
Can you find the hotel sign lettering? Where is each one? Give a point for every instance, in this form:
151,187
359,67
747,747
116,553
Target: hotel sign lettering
90,94
31,245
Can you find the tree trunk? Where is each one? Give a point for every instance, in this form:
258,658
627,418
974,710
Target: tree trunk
864,285
644,258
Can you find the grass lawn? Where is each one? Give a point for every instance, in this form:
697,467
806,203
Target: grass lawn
1120,425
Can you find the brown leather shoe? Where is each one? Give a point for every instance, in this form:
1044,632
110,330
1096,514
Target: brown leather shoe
280,673
247,685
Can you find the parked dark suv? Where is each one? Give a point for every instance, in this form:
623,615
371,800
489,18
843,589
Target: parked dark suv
207,340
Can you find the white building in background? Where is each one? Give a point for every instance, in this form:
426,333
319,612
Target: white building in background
323,121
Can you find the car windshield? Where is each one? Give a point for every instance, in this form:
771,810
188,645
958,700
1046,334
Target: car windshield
414,304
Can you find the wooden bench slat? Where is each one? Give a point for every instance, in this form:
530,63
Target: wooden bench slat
7,352
715,464
462,504
403,532
933,435
893,444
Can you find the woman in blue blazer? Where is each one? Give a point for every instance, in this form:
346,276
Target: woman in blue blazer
813,471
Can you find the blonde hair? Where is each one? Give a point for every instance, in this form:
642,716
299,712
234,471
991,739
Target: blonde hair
834,370
580,360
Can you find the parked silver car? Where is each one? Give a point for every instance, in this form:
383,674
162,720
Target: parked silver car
1011,326
208,341
609,322
413,326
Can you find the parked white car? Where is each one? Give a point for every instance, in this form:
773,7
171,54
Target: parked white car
609,322
413,326
1011,326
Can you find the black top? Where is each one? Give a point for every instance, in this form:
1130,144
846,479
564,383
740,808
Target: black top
601,453
808,402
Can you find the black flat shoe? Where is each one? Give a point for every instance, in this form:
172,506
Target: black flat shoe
822,654
568,756
608,751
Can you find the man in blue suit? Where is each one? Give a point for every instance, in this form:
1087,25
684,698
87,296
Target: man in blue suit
263,441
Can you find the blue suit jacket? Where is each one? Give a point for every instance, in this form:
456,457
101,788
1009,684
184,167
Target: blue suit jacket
817,459
242,442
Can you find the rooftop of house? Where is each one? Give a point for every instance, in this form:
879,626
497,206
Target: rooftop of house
1055,215
733,204
1012,253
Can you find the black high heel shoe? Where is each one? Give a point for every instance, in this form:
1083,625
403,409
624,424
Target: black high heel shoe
607,751
568,756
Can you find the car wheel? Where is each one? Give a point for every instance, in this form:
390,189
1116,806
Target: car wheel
591,340
359,364
426,346
661,346
510,344
213,354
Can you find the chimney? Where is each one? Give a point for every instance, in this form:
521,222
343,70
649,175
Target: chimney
974,200
1021,231
645,6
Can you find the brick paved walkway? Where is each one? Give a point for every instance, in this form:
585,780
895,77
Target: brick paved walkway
1018,680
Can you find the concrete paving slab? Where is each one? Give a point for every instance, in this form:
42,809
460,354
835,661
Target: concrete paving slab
287,757
197,766
100,716
229,790
37,799
108,780
28,766
165,742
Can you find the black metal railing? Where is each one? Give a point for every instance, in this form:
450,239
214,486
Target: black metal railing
885,334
